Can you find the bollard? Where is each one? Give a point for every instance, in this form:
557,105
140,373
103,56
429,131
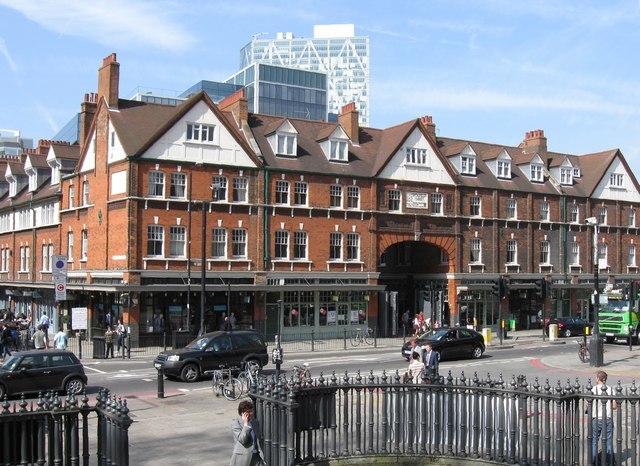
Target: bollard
79,345
128,338
160,382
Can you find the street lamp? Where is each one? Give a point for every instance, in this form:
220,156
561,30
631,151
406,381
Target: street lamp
203,273
597,353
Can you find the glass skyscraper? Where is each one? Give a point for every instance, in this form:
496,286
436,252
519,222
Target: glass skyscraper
334,50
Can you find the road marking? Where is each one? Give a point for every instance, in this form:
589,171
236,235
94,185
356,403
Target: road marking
184,390
148,380
94,370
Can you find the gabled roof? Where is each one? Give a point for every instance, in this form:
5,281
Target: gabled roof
66,151
36,161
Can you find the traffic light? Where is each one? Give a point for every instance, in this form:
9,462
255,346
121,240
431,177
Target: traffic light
504,288
495,287
634,291
540,289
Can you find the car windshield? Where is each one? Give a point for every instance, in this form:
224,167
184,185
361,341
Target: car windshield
199,343
615,306
10,363
438,334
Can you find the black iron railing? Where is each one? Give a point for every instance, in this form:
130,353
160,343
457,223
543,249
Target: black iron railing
504,422
55,431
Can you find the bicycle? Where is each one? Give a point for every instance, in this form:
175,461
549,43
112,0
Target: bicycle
359,335
249,376
302,373
225,384
583,350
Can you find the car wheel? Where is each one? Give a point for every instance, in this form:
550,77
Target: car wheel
476,353
567,333
190,373
74,386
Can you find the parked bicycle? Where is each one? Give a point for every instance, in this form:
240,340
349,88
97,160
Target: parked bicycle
302,373
249,376
359,335
583,350
224,383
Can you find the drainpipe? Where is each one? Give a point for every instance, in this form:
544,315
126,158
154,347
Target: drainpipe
265,221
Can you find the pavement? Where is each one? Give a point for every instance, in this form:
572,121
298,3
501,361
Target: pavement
193,427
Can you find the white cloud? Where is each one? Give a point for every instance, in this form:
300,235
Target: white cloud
111,22
4,51
46,114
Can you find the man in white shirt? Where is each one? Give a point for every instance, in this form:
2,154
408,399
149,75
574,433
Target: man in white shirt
602,418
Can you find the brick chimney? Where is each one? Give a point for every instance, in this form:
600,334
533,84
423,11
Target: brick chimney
236,103
87,113
429,125
348,119
534,143
109,80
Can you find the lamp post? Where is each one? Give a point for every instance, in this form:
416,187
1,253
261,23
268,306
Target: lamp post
597,353
203,273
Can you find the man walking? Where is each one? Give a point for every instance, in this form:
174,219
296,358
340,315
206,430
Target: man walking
431,363
40,339
44,323
61,339
602,418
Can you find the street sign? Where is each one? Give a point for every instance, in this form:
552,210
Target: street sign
60,276
79,318
276,356
61,291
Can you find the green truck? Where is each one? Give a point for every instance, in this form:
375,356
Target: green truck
616,319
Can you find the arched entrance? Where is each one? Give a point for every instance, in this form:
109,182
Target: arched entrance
415,270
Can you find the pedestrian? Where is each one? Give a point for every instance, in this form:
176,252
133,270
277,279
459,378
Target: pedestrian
405,321
39,338
61,339
108,319
108,340
226,325
247,449
232,321
5,340
44,322
415,369
417,324
602,419
415,348
431,362
158,323
121,333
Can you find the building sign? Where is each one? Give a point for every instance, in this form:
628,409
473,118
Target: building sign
79,318
60,277
417,200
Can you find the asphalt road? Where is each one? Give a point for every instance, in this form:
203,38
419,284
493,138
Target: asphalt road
139,377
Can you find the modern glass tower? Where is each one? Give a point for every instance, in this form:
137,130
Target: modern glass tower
334,49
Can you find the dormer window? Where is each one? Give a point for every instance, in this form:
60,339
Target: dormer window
504,169
339,151
13,187
286,143
468,165
576,172
198,132
33,179
55,174
417,156
536,172
616,180
566,175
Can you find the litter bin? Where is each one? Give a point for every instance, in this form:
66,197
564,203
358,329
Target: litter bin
553,332
181,338
98,347
596,351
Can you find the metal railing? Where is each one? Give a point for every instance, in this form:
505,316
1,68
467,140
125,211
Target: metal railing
497,421
69,431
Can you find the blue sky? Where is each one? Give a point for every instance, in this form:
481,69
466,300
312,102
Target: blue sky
486,70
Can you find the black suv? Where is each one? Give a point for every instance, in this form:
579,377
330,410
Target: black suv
211,351
41,371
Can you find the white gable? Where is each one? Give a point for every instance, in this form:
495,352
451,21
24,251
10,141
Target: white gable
114,147
89,160
433,172
468,150
606,190
288,139
174,146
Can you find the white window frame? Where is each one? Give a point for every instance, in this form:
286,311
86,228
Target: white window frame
468,165
512,208
85,193
537,172
545,209
219,243
394,200
301,193
240,189
574,213
177,241
512,252
335,196
631,217
417,156
239,243
219,188
631,256
603,255
353,197
436,204
300,245
475,251
339,150
353,247
286,143
178,189
602,215
72,194
46,258
616,180
504,168
200,133
84,245
155,235
545,255
574,253
282,192
335,246
281,245
475,206
566,175
70,246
